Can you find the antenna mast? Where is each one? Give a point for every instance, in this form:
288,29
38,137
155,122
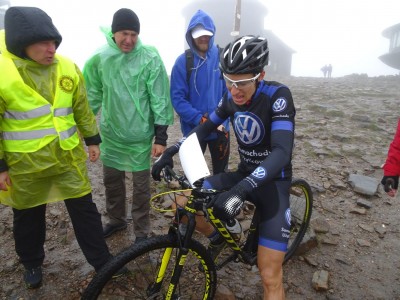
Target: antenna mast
238,15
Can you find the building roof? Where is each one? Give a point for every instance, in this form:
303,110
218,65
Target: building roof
387,33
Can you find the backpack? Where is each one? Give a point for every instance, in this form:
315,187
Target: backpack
190,62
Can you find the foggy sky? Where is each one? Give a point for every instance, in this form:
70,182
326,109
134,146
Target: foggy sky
345,33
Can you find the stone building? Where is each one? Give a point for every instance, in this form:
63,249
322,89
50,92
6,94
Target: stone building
392,58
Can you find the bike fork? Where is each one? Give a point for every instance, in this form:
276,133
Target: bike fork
180,262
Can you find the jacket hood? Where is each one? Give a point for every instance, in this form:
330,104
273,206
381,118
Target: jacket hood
25,26
200,18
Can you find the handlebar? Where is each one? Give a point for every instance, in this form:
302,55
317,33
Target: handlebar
169,174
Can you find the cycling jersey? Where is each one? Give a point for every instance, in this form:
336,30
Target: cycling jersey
264,129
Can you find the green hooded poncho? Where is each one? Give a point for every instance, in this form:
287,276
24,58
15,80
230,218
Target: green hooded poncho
132,91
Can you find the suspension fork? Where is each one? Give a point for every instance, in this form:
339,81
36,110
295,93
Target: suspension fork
181,254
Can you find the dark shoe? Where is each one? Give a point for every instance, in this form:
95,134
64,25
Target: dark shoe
110,229
124,270
33,277
140,239
215,248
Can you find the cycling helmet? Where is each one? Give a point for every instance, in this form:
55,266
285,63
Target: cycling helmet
245,55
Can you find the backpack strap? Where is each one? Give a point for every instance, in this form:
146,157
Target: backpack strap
189,64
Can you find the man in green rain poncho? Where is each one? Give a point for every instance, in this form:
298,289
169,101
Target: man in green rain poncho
128,82
43,112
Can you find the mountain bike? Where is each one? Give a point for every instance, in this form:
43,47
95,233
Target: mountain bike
177,265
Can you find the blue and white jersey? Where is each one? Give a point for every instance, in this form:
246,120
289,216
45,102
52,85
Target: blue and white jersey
264,128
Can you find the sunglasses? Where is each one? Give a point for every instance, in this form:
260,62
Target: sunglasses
240,84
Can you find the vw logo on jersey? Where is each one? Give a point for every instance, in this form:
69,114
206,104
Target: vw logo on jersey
249,128
259,173
287,216
279,105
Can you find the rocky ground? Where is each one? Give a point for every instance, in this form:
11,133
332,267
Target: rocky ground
343,128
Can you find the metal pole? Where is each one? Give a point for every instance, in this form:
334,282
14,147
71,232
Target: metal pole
236,24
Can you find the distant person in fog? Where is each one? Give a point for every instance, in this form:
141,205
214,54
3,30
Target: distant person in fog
324,69
329,71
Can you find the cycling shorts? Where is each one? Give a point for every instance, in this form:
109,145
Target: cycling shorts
272,202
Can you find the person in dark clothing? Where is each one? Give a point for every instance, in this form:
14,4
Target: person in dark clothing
43,112
262,115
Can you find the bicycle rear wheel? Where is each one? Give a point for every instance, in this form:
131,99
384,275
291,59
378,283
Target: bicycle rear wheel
301,201
144,281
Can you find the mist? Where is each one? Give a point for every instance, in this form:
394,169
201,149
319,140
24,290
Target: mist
346,34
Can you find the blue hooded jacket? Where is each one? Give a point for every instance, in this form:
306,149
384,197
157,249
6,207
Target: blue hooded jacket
206,86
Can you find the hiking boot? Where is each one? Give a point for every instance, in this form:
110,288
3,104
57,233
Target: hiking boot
111,229
33,277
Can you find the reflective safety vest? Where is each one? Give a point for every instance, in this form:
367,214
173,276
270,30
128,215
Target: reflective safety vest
30,122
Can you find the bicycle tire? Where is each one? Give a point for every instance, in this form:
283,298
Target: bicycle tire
301,202
143,260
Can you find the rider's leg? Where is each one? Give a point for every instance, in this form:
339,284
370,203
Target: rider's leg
201,223
270,265
274,234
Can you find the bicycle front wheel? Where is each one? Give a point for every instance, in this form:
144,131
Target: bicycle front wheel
301,201
151,266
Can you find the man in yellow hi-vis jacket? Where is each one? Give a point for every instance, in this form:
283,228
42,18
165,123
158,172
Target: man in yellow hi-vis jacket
43,107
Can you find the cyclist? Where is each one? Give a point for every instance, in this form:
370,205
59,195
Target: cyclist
262,114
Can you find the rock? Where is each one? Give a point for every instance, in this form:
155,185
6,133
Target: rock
320,280
358,211
363,243
311,261
320,225
366,227
309,242
342,259
381,230
364,203
223,293
363,184
329,240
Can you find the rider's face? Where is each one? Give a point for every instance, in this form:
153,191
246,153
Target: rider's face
242,86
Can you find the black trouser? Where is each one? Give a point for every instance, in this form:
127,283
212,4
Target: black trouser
219,151
30,232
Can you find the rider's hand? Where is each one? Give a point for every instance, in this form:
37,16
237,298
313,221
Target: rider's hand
164,160
227,205
390,184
